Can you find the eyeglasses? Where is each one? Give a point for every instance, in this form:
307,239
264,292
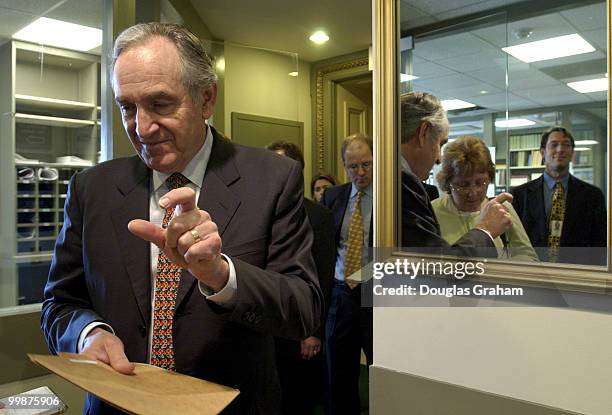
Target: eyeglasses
464,190
356,166
565,145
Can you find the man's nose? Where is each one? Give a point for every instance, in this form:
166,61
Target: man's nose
145,123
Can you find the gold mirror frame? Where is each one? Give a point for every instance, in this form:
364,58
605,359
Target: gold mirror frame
386,183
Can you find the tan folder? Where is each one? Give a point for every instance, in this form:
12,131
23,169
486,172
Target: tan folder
150,390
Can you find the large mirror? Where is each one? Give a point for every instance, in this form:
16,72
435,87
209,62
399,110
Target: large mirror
524,88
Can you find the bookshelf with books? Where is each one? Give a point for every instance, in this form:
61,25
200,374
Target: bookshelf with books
524,158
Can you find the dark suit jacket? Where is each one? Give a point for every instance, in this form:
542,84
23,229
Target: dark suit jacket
585,219
323,252
336,199
420,228
101,272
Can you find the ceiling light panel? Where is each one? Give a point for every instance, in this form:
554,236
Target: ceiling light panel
589,85
553,48
456,104
51,32
514,123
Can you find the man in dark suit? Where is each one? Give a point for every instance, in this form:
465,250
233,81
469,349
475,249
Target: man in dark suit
300,364
424,131
349,325
221,277
581,225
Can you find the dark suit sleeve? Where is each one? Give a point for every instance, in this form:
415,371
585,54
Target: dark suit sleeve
324,254
285,298
600,225
67,307
420,228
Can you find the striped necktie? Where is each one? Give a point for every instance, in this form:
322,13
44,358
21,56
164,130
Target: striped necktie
354,252
555,222
167,280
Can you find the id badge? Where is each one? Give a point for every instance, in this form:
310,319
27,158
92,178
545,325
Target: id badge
555,228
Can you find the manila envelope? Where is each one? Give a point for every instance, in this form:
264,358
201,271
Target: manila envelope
150,390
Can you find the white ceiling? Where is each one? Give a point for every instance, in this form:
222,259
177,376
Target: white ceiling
462,65
286,25
456,66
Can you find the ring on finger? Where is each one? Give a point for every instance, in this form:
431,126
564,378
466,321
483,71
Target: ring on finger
196,235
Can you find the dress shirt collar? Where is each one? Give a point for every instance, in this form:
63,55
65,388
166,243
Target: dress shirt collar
195,169
404,165
550,181
367,191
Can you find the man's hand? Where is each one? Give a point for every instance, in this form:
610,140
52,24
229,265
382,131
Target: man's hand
311,346
494,217
191,240
108,348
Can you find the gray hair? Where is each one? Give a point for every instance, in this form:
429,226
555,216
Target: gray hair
419,107
197,73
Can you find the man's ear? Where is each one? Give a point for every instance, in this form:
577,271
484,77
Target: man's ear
423,133
543,153
209,99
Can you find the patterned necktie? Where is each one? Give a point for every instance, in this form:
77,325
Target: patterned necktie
167,280
555,223
354,252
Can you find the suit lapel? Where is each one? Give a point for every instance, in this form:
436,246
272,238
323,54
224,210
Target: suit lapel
537,210
215,196
136,252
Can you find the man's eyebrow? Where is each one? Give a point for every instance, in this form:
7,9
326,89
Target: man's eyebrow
150,97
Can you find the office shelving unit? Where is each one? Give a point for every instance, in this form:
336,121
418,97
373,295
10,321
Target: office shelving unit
49,109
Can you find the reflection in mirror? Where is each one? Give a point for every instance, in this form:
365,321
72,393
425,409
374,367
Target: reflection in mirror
529,84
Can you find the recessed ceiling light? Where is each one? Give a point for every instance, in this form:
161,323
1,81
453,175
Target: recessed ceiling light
590,85
319,37
484,92
581,149
61,34
294,73
586,142
555,47
404,77
515,122
456,104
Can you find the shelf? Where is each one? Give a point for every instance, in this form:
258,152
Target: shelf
28,257
52,103
515,150
52,121
527,167
53,164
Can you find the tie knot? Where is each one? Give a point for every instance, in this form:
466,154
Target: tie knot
359,196
176,180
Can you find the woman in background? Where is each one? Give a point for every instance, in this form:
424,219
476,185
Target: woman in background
467,170
319,183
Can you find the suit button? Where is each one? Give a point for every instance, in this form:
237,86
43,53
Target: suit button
143,331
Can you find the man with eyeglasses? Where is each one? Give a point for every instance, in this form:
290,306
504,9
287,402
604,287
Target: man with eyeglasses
349,326
562,214
424,130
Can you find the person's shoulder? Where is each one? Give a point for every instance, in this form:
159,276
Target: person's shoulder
530,185
584,186
118,167
314,208
335,191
